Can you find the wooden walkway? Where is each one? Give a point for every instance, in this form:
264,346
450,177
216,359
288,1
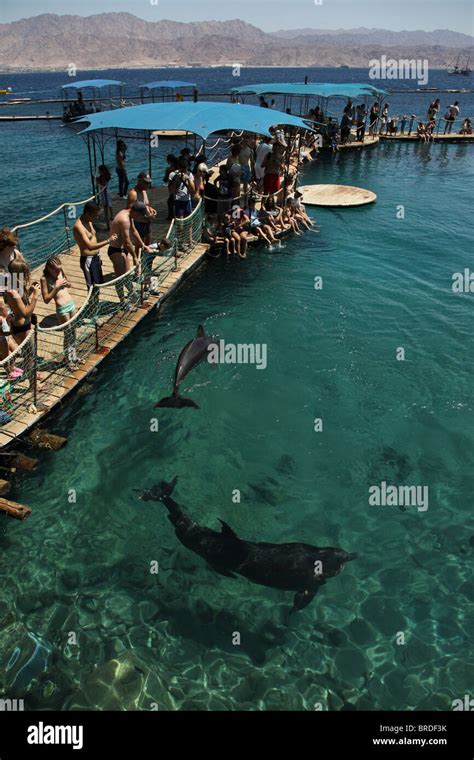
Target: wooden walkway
60,380
451,138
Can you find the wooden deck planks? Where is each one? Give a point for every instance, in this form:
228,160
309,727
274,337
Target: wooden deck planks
60,380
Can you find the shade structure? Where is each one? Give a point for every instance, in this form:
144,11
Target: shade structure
317,89
202,119
98,83
167,84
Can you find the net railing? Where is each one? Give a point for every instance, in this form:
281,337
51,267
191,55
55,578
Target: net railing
32,376
49,235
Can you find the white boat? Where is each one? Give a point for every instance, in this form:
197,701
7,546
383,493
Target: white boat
458,69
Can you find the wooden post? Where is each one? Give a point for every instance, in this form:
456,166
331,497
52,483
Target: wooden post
22,462
44,440
66,227
12,509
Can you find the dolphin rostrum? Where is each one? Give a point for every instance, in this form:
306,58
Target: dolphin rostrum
191,355
293,567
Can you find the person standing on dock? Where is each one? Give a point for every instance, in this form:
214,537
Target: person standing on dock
139,193
121,168
264,148
373,118
8,249
123,252
86,238
451,116
361,114
433,109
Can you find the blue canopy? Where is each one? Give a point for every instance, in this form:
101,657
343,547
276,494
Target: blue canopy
92,83
201,119
167,84
317,89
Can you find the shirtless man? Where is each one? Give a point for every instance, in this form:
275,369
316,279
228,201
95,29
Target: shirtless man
139,193
86,238
123,253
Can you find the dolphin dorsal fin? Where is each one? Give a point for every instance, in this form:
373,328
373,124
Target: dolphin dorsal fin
200,332
227,531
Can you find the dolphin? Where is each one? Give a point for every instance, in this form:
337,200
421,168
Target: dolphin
298,567
191,355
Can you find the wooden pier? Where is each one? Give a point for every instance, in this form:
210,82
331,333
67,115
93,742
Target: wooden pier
438,138
61,380
31,117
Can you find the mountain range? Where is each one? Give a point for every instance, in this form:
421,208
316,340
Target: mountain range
121,40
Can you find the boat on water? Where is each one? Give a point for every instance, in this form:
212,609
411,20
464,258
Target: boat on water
6,91
458,69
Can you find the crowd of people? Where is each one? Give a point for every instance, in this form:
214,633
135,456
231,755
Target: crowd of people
75,108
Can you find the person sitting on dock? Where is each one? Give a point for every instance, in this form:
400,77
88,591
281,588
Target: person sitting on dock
139,193
451,116
86,238
257,225
429,130
300,210
55,287
466,128
272,214
290,217
392,127
421,132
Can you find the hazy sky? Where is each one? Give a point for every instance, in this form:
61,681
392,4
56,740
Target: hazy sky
271,15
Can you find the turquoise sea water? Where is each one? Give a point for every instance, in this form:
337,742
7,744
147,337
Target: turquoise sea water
83,621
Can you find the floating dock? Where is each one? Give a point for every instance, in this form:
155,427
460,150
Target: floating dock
31,117
336,196
449,138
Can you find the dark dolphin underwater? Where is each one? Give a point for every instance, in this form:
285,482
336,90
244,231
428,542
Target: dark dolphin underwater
298,567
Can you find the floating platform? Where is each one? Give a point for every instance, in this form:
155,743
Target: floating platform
367,142
336,196
451,138
32,117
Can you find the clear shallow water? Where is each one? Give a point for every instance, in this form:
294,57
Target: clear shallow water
84,568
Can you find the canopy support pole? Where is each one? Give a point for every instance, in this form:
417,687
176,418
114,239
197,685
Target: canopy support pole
90,162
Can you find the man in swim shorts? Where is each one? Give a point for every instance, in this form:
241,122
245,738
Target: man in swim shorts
86,238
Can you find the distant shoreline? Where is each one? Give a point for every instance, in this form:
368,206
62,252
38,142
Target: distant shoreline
54,70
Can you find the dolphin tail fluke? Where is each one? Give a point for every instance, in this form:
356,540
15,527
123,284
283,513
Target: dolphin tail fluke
176,402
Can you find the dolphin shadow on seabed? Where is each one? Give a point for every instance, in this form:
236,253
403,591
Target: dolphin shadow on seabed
298,567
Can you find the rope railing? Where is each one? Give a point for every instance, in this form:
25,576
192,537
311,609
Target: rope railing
31,374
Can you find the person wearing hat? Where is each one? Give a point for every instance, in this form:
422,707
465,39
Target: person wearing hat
123,253
139,194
